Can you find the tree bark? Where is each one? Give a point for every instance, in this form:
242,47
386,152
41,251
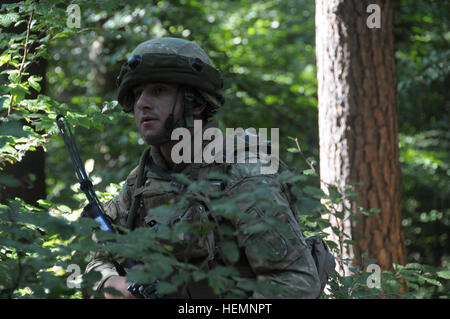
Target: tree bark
358,130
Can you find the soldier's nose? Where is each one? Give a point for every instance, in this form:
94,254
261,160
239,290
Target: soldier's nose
144,101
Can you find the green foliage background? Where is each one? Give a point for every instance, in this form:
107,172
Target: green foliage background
265,50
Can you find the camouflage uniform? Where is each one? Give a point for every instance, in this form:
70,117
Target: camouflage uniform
289,262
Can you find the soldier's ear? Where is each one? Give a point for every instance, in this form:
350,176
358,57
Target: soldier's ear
198,109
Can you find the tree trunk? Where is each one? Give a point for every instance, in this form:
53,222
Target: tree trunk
358,131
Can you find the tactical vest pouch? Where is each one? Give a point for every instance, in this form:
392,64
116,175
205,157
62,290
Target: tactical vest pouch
324,260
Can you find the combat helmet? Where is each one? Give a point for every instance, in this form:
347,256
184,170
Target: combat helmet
174,61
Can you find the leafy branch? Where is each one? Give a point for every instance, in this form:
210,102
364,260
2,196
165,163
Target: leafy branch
24,58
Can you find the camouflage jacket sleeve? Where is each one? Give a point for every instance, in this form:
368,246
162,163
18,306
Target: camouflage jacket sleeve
277,255
116,208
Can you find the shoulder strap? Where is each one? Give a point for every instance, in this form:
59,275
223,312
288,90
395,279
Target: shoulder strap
139,182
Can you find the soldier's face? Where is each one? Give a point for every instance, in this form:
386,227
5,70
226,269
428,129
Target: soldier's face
153,104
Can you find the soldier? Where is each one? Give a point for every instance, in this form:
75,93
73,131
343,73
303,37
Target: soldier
169,83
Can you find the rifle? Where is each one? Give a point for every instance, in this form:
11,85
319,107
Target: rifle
95,209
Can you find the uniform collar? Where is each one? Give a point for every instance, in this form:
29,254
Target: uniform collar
157,158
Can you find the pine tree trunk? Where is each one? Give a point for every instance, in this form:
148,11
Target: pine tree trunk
358,130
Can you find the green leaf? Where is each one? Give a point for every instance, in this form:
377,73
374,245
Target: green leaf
309,172
34,82
7,19
19,91
414,266
257,228
288,177
365,211
323,223
308,206
182,178
64,208
4,102
166,288
197,275
4,59
230,251
314,191
44,203
331,244
444,274
432,281
14,77
12,128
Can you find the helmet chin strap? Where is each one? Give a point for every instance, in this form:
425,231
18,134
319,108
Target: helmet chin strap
187,104
169,123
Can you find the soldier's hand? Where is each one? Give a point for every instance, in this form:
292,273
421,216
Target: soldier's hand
120,284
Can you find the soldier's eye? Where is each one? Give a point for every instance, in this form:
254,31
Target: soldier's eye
137,92
157,90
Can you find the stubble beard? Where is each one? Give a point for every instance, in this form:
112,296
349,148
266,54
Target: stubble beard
158,139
